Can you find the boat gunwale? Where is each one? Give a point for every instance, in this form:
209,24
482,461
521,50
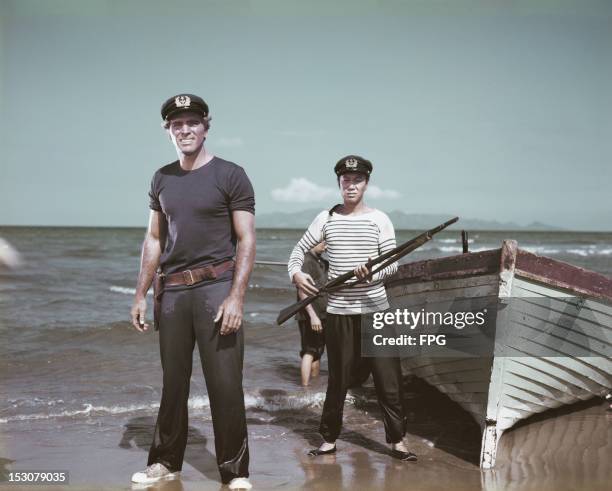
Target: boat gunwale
450,267
563,275
541,269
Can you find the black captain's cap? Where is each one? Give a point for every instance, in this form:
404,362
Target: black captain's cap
353,163
184,102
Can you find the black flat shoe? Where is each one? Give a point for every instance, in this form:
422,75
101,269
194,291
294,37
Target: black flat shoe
405,456
316,452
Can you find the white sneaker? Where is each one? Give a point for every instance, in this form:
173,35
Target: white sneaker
153,473
240,483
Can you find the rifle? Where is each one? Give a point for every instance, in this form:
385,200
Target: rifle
386,259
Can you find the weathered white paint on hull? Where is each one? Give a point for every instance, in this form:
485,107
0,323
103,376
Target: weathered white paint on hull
498,392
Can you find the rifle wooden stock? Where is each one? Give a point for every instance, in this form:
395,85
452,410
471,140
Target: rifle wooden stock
387,259
293,309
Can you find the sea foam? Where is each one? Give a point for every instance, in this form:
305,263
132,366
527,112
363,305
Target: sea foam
126,291
277,401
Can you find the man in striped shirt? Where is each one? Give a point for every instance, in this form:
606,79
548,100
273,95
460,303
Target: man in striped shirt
353,233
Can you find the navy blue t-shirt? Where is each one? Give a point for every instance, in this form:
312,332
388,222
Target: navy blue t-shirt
198,207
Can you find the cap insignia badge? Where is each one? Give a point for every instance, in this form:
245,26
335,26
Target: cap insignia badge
182,101
351,164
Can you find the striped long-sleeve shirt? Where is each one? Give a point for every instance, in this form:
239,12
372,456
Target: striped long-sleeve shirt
351,240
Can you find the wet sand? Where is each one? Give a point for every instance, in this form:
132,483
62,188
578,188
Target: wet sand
566,448
570,448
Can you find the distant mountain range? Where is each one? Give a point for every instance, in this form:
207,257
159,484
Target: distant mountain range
401,220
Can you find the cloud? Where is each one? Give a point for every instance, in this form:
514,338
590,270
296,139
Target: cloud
301,190
375,192
235,141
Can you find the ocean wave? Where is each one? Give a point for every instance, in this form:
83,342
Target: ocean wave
460,249
453,241
273,401
88,410
540,249
276,401
34,402
585,251
590,251
126,291
132,291
283,402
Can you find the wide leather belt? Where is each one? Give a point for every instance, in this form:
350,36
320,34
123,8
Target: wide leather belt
193,276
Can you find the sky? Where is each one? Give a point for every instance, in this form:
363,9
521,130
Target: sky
498,110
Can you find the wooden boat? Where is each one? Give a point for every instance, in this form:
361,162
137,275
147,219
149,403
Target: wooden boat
530,377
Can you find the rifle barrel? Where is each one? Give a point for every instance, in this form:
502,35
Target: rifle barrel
388,258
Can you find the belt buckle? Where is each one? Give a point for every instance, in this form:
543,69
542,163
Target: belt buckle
188,277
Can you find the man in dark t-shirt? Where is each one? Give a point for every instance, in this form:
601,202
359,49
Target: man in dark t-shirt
199,250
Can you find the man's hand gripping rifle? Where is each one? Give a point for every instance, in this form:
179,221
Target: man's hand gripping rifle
384,261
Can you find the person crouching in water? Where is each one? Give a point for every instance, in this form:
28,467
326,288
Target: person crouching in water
353,233
311,320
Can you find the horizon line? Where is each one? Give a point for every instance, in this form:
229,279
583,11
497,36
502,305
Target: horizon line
553,230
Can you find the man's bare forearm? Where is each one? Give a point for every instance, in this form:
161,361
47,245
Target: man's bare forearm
245,257
149,261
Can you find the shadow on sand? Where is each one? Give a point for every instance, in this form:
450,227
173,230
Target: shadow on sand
139,432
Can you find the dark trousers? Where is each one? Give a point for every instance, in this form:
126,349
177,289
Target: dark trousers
186,317
345,363
313,343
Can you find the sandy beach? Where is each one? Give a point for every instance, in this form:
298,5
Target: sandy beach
571,449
